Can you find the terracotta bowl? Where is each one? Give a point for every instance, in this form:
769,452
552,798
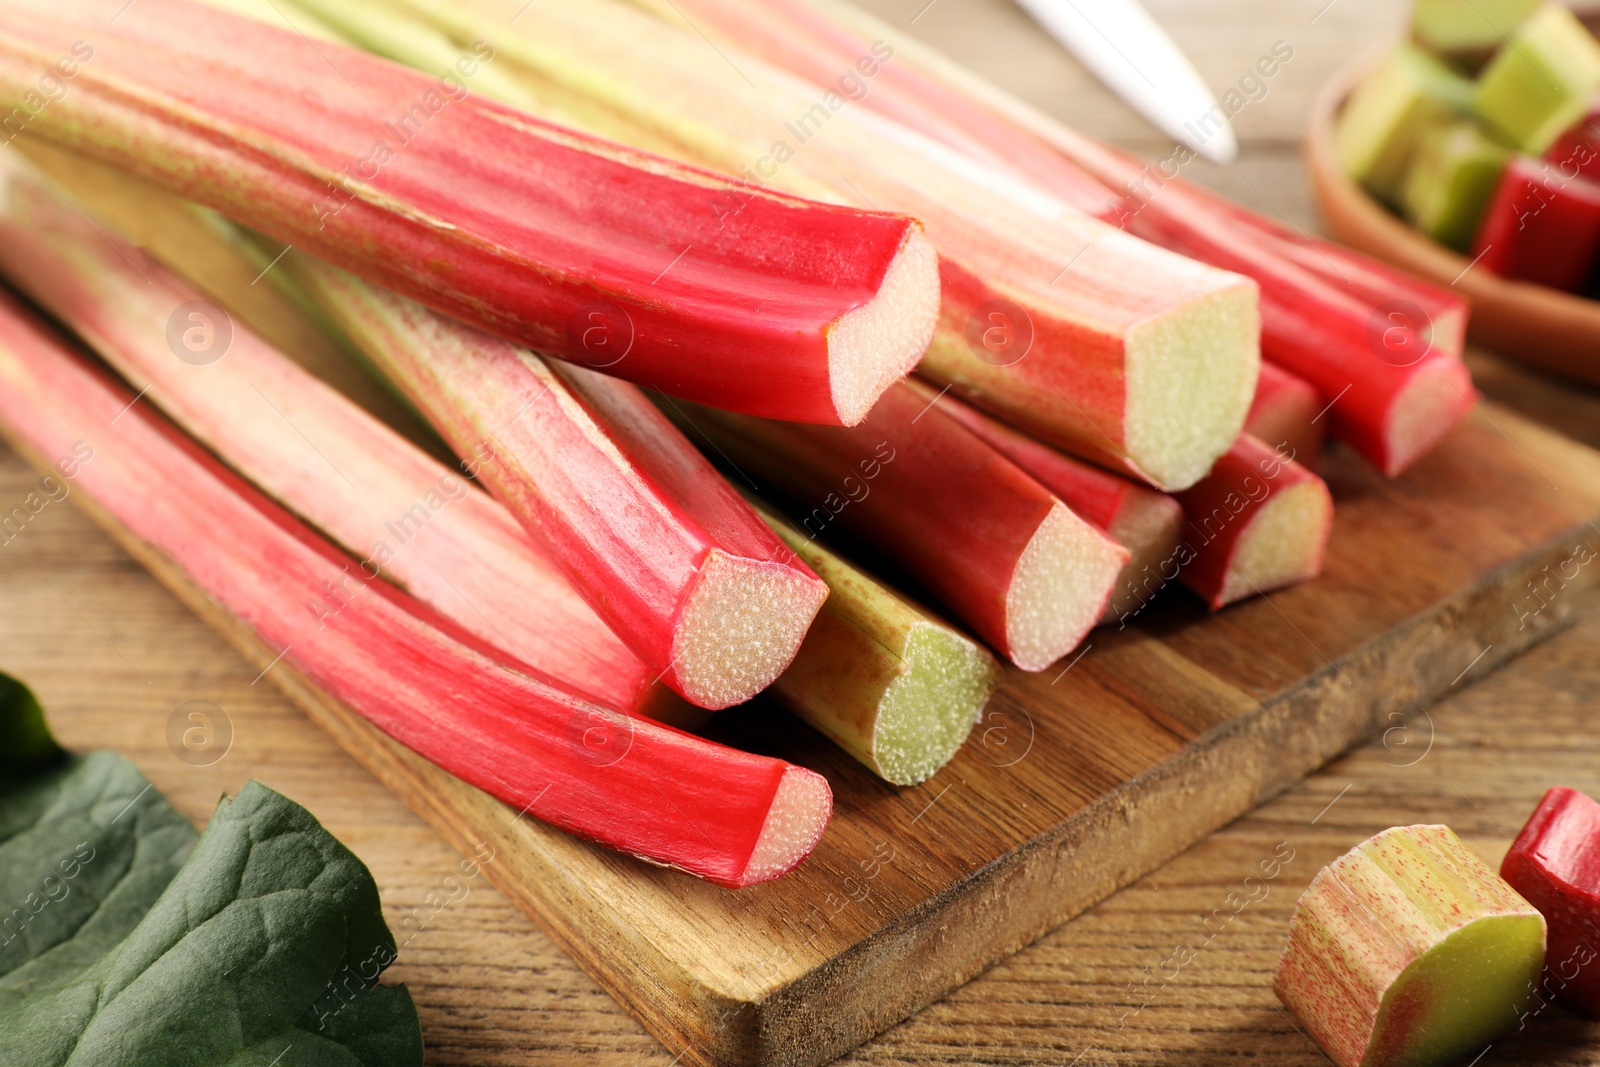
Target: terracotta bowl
1545,327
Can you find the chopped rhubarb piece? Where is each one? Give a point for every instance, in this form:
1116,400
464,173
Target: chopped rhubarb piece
891,683
397,511
1408,951
1008,558
1385,118
1555,863
1133,357
1287,415
1541,227
547,236
727,816
661,546
1467,32
1258,522
1541,82
1451,182
1146,523
1576,153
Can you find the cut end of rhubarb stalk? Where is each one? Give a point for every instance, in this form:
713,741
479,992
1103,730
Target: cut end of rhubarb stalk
1408,951
800,812
875,345
1149,526
1437,397
928,711
743,623
1283,545
1061,585
1188,388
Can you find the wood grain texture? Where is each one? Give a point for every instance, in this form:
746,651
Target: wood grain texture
117,659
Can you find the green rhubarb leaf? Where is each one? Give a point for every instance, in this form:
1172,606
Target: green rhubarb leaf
126,939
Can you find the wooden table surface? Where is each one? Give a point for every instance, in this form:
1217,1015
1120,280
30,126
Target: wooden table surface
118,662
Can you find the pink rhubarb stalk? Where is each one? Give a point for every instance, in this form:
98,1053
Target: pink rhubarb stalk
399,512
1258,522
730,817
661,546
1355,338
1288,415
1007,557
1555,863
567,242
1146,523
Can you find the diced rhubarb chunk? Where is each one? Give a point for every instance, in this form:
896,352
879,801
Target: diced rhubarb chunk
1576,153
1467,32
1541,227
1555,863
1386,116
1408,951
1541,81
1452,181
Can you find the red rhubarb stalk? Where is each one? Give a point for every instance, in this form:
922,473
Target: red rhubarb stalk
730,817
1356,340
1258,522
577,246
1444,310
1007,557
1288,415
1146,523
661,546
397,511
1555,864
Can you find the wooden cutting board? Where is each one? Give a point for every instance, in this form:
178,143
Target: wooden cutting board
1075,782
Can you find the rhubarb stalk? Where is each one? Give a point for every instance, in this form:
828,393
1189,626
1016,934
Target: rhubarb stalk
650,534
1287,414
1007,557
527,229
730,817
399,512
889,682
1118,350
1146,523
1259,521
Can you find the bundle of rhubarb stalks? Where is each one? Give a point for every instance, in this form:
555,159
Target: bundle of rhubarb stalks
683,310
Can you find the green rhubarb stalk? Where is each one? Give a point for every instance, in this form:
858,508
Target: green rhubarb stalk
890,683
